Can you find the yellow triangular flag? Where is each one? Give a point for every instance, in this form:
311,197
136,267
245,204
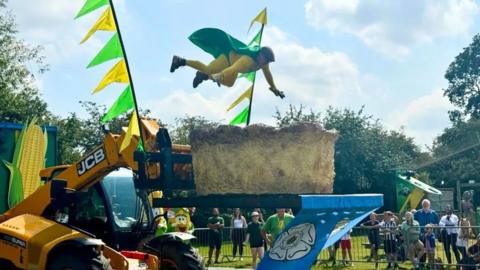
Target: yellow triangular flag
261,18
117,73
246,94
105,22
132,130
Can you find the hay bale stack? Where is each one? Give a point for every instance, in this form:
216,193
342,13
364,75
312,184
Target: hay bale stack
260,159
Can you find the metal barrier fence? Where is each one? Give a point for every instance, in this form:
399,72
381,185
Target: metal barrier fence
361,248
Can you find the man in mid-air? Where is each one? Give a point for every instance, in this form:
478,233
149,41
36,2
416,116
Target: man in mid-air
232,57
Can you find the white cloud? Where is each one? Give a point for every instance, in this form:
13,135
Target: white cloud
307,75
311,76
51,23
423,118
393,27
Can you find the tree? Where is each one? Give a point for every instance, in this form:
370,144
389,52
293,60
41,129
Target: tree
20,99
365,152
457,154
463,77
183,126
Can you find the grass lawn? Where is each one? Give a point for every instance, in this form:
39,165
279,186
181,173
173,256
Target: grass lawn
359,252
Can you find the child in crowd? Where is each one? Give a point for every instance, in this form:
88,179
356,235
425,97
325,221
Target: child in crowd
389,227
254,236
429,237
346,245
373,235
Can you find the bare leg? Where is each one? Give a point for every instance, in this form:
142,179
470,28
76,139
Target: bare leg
210,253
215,66
254,257
217,255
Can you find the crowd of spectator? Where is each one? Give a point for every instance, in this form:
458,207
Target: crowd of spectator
416,236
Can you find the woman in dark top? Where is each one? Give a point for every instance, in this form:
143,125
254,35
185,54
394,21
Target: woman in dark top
254,236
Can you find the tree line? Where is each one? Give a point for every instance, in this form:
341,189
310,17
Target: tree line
365,152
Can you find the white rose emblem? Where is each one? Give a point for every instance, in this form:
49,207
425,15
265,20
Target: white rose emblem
294,244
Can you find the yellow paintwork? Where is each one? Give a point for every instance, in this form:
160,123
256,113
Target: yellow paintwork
24,221
412,200
40,235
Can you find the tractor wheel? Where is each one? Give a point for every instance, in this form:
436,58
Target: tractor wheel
87,258
178,256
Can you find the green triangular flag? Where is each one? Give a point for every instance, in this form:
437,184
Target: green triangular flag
249,76
256,39
140,145
241,118
123,104
90,6
111,50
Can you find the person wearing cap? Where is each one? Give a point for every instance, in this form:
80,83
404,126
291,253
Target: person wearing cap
232,57
254,236
449,234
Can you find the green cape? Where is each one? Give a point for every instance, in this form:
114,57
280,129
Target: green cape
216,42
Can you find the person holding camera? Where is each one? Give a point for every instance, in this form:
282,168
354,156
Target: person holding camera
449,234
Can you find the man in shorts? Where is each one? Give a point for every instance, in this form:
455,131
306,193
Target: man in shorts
215,225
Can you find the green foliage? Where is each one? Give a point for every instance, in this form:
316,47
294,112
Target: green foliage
295,115
183,126
457,154
365,151
463,77
20,100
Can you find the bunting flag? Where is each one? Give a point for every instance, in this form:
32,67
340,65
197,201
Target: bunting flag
241,118
261,18
132,130
256,39
111,50
249,76
90,6
244,116
245,95
117,73
106,22
123,104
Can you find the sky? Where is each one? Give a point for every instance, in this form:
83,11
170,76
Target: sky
389,56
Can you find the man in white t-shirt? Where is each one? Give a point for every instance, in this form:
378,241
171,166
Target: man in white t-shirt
449,225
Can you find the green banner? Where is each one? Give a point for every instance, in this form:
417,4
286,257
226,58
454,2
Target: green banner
111,50
90,6
123,104
241,118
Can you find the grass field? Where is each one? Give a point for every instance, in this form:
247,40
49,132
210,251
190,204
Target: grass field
359,252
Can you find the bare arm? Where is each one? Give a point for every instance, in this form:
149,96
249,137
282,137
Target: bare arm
268,76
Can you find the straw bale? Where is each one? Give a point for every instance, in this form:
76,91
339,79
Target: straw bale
261,159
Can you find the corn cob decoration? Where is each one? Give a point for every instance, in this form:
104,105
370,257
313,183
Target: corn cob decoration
15,186
32,158
28,160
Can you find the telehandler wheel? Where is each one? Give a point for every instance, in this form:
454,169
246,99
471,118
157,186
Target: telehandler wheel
87,258
178,256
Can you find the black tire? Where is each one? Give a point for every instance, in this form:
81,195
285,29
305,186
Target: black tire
176,255
72,258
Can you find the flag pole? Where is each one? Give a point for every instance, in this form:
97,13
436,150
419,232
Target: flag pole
128,70
253,83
